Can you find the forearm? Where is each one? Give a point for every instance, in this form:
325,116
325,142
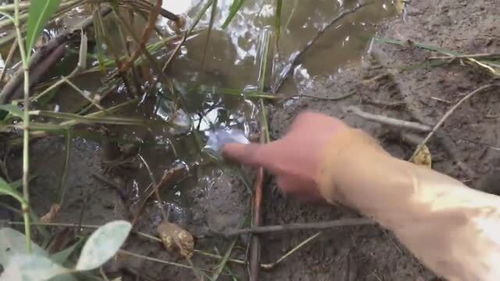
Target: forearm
438,218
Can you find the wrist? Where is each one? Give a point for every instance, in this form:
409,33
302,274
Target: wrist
351,160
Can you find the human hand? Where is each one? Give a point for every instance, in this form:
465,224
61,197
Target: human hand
294,159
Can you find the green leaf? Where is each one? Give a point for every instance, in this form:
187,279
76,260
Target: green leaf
103,244
40,12
12,109
7,189
233,10
209,31
31,268
13,242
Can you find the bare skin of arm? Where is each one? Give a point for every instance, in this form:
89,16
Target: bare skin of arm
453,229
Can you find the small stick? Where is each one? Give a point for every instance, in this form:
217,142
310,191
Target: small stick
448,114
169,177
300,226
12,51
388,120
13,88
155,187
352,93
257,221
144,5
266,266
270,266
475,56
385,104
128,253
148,31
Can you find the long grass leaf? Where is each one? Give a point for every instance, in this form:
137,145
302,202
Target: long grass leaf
233,10
209,31
277,20
223,262
40,12
90,119
419,45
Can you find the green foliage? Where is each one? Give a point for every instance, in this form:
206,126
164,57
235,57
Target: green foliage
12,243
209,31
233,10
7,189
103,244
31,267
40,12
19,264
12,109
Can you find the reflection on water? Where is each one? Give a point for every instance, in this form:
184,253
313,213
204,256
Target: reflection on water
232,53
230,60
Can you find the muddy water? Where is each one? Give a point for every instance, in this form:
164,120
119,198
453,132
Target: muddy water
233,53
231,59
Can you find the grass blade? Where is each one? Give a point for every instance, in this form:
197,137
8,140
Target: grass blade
277,20
220,267
233,10
40,12
419,45
90,119
209,31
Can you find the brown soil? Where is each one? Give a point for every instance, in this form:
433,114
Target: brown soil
466,148
371,253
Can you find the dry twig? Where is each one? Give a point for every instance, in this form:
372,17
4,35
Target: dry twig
388,120
300,226
257,221
447,115
43,59
148,31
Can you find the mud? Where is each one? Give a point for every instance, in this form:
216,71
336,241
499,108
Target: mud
214,198
370,253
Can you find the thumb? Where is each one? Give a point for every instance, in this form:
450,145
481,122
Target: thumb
256,155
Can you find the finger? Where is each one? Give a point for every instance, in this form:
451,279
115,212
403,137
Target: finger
256,155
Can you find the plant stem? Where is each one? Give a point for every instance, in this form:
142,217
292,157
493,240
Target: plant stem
24,58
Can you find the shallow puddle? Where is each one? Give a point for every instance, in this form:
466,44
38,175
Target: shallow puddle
230,58
210,74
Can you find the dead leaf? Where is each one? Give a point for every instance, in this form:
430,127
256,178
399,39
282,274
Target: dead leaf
51,215
423,157
175,237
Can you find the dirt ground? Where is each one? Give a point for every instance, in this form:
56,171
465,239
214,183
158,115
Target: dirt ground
467,147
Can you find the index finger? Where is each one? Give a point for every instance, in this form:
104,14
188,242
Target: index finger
254,154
